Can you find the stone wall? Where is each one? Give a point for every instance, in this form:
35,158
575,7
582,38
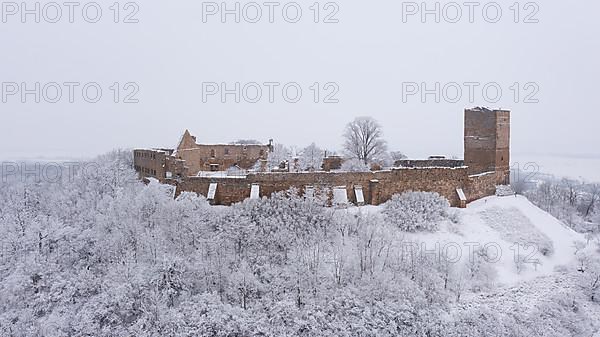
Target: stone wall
480,140
158,164
480,186
222,157
503,147
150,163
378,187
218,157
332,163
429,163
444,181
487,142
485,165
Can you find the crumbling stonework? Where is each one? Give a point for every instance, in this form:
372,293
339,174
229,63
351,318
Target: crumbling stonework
150,163
486,164
159,164
218,157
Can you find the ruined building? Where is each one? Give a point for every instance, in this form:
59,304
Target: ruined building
218,157
190,158
222,172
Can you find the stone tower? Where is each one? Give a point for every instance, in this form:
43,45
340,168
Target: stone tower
487,142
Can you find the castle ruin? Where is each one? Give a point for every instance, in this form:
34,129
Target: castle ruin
222,172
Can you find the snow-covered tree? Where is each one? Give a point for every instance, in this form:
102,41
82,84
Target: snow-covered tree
279,155
398,155
590,198
416,211
481,274
384,160
354,165
571,201
102,254
246,142
589,277
311,158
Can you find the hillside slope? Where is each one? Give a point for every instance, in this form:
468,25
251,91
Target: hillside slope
517,220
509,226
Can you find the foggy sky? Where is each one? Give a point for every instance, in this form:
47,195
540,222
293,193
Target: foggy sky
368,54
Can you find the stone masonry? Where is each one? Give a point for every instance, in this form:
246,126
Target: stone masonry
487,142
485,165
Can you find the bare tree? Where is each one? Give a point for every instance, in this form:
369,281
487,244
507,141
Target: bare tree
572,189
363,139
590,199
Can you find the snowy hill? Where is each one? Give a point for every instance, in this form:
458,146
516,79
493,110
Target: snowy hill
511,226
510,220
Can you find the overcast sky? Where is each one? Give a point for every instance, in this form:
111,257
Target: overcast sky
370,55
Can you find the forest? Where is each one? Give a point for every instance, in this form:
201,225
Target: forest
99,253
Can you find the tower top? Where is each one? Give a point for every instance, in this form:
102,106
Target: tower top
485,109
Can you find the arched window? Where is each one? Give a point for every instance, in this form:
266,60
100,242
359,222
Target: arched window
212,153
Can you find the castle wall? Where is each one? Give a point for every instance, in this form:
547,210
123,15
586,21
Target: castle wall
156,164
485,165
378,187
481,186
444,181
218,157
150,163
221,157
429,163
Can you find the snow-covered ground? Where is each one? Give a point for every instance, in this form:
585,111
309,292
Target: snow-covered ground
519,214
507,225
